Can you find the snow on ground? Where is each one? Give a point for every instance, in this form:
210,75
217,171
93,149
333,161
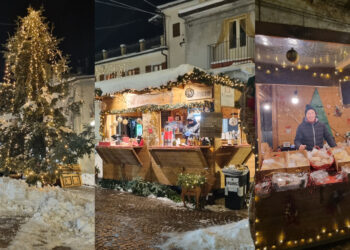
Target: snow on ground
169,202
230,236
55,216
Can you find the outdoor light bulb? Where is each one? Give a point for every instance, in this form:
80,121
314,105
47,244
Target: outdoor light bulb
92,123
267,106
295,100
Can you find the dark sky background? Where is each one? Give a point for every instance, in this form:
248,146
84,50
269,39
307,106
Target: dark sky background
73,20
116,25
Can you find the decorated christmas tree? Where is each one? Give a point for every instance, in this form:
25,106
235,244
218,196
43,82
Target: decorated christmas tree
34,138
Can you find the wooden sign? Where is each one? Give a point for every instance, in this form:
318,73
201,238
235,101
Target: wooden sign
159,98
211,124
197,92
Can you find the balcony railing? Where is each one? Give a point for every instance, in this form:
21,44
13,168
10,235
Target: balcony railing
232,52
131,48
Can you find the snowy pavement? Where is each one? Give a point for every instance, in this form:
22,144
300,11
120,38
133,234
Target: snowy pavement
126,221
46,218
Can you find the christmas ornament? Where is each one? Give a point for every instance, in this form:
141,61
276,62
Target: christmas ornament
125,122
292,55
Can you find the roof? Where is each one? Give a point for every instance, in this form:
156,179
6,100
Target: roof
143,81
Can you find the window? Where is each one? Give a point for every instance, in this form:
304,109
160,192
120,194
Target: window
233,35
148,68
176,29
157,67
237,33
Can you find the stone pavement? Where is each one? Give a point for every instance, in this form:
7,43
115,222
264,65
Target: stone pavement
8,229
126,221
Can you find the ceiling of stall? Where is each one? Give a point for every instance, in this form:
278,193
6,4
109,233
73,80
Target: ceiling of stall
312,54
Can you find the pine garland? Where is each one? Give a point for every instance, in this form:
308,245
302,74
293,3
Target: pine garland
196,76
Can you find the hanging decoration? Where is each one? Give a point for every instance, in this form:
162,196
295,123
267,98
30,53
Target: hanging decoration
292,55
125,122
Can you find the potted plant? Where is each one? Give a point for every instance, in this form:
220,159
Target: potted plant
191,185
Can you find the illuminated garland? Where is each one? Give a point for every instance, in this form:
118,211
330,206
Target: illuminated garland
155,108
195,76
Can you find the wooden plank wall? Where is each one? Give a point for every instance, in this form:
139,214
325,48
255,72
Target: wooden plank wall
288,115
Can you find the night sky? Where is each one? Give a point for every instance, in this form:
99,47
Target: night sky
73,20
128,26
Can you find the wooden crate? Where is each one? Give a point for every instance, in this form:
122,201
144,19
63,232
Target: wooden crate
72,168
338,163
70,180
285,155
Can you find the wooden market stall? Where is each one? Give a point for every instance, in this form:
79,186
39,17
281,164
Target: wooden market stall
302,198
159,104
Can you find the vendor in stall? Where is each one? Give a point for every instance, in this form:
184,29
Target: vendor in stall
311,132
192,127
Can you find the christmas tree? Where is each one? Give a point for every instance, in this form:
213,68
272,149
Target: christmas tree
34,138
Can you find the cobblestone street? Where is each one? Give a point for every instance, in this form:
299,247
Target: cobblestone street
8,229
126,221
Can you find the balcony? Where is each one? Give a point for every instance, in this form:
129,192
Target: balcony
232,52
152,43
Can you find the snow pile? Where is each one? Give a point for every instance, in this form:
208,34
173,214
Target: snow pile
140,82
230,236
56,217
173,204
88,179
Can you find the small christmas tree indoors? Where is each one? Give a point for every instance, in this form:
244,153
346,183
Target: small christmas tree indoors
34,138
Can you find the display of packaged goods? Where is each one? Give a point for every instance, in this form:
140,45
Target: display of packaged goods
297,159
289,181
263,188
346,169
341,154
322,177
320,157
275,161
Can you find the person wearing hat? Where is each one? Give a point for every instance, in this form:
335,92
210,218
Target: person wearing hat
311,132
192,127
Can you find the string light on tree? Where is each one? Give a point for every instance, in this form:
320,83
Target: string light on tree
33,85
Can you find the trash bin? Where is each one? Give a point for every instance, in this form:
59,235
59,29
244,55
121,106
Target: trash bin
236,188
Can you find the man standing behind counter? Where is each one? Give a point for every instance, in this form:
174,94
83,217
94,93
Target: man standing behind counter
311,132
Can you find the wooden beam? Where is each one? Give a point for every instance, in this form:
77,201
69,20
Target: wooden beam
300,32
274,109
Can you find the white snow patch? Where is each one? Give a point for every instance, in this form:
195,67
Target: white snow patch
230,236
88,179
56,217
217,208
66,130
140,82
176,205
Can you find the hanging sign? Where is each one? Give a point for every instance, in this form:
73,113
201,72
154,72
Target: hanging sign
227,96
196,92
